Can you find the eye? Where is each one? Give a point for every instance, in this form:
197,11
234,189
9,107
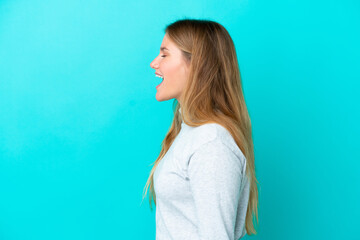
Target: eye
163,55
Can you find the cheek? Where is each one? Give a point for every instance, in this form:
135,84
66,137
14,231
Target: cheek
169,70
173,70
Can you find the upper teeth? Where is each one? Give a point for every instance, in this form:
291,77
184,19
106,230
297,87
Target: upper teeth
158,76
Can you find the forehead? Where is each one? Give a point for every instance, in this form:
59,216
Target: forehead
167,45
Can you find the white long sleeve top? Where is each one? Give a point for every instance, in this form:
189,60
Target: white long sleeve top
201,187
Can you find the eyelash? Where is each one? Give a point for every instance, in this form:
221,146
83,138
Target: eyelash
163,55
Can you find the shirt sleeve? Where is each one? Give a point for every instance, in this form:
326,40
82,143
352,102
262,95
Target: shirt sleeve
215,174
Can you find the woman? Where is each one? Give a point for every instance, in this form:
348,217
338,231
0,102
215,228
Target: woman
203,183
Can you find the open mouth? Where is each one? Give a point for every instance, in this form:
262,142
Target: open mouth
162,78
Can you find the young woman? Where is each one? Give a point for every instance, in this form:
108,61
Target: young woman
203,183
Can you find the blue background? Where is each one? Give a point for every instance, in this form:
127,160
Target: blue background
80,125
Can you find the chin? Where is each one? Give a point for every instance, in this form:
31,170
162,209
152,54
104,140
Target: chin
162,98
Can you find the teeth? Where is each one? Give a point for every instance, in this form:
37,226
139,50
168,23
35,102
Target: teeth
159,76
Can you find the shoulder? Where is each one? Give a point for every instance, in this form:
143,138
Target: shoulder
217,155
214,137
209,132
194,137
211,139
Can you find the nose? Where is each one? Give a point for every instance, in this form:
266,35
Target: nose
154,64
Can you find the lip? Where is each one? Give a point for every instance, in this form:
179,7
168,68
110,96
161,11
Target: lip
158,74
158,85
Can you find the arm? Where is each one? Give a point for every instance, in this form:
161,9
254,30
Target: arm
215,174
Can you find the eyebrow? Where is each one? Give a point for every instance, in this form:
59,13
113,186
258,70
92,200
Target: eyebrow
163,48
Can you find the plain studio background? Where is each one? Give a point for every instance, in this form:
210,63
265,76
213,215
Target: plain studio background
80,125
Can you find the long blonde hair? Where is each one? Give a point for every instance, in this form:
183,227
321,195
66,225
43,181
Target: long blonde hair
213,94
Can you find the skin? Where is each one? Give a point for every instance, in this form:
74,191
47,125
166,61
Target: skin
170,63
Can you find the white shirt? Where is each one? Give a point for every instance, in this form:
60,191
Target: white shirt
201,187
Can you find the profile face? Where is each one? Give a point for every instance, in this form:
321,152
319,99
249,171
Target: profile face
171,66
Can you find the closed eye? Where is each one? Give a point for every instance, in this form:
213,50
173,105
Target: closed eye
163,55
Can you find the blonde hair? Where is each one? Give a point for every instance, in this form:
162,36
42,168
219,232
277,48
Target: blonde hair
213,94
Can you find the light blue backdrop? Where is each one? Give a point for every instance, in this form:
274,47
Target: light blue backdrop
80,125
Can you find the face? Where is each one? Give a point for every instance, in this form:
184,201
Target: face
171,66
